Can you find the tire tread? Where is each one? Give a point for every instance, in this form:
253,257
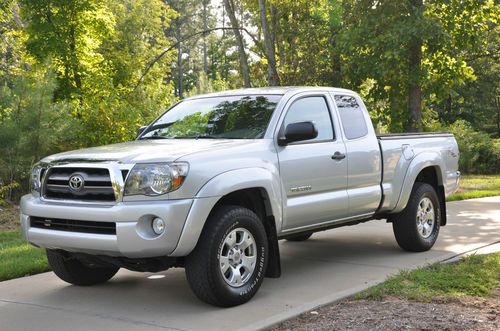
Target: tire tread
404,225
197,263
73,271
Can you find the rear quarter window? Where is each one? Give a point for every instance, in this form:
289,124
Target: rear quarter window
352,117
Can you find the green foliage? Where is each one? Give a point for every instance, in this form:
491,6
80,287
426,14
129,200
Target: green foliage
68,33
99,50
72,72
479,153
70,77
5,191
374,44
18,258
475,275
31,125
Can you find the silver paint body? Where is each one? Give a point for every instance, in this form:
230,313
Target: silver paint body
305,188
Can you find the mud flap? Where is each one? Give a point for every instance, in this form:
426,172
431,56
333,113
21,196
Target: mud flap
274,263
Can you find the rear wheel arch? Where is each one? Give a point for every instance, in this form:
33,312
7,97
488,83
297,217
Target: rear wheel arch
433,176
425,168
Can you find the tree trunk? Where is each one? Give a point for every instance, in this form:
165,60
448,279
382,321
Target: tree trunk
336,65
335,29
497,105
414,72
274,23
180,81
205,28
231,12
272,73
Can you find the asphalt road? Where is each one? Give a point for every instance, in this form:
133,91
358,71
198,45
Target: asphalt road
329,266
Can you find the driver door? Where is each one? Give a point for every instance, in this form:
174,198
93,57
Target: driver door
314,183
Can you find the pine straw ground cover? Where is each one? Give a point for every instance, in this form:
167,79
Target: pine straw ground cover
459,296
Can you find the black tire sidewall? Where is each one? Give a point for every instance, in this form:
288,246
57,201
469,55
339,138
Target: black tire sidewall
405,223
73,271
254,226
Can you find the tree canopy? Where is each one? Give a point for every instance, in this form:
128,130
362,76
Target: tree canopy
76,73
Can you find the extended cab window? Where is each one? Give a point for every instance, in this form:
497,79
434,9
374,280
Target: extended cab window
311,109
351,114
226,117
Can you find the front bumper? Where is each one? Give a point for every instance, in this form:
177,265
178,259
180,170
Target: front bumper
131,218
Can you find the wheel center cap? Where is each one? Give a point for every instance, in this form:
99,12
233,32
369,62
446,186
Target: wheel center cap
237,257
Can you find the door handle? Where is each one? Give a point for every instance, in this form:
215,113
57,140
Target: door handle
338,156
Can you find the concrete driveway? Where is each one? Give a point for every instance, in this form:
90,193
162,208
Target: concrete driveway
329,266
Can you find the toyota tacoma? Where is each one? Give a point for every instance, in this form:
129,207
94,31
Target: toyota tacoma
213,183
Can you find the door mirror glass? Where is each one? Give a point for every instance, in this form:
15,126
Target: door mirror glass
298,132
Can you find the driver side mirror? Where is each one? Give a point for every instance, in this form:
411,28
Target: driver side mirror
141,130
298,132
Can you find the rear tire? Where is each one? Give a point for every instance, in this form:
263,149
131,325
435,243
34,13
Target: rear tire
229,262
73,271
300,237
416,228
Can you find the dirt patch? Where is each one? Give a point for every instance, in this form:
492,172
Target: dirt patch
9,218
468,313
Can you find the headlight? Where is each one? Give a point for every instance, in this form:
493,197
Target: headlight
36,178
155,178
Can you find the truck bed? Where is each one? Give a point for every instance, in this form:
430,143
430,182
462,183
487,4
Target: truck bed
400,152
411,135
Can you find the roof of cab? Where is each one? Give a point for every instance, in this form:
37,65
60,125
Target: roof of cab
277,90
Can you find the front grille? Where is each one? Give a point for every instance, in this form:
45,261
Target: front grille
73,225
96,184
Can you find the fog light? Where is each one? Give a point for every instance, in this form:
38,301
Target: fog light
158,225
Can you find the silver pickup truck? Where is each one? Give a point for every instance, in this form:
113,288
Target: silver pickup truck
213,183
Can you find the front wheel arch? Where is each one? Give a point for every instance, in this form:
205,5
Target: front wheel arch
257,199
203,269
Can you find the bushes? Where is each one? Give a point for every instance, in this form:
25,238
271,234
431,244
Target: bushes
479,153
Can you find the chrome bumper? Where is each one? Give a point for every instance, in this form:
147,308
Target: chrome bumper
132,219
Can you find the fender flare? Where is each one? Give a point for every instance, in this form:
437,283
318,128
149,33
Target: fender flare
219,186
419,162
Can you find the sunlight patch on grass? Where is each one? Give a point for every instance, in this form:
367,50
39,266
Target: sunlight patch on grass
477,186
18,258
476,275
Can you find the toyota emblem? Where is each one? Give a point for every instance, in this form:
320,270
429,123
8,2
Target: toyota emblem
76,183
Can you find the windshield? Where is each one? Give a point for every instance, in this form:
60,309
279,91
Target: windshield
231,117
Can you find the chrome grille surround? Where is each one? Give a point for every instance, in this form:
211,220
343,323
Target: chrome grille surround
117,179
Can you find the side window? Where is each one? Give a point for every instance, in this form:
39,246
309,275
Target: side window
351,114
312,109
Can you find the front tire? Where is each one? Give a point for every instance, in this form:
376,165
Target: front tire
416,228
73,271
229,262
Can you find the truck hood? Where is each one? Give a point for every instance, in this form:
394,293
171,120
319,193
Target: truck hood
146,150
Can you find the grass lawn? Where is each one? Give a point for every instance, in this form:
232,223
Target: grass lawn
18,258
477,186
475,275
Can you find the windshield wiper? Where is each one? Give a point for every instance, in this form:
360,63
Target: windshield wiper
153,137
205,136
199,136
